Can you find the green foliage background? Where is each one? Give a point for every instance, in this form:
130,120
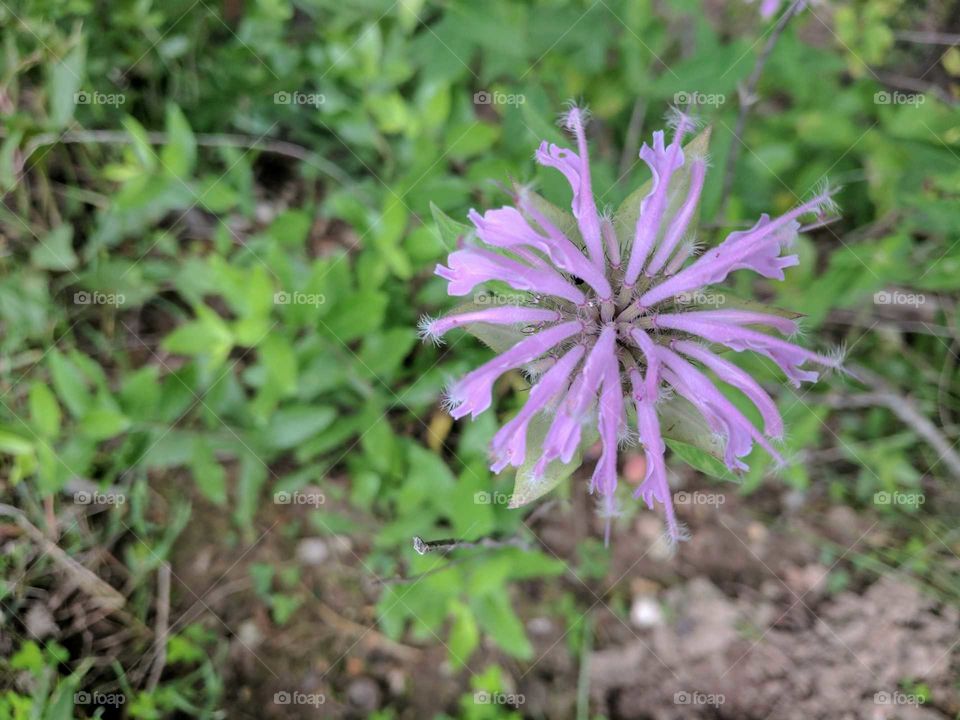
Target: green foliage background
174,173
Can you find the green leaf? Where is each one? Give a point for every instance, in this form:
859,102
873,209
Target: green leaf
209,474
293,425
54,251
69,382
390,230
497,619
450,230
680,421
142,148
180,153
701,460
278,357
44,410
64,82
625,221
13,444
9,168
103,423
464,634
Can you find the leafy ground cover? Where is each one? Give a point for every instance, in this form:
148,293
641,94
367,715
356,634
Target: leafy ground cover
219,432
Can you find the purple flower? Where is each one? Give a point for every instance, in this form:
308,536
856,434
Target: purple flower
608,331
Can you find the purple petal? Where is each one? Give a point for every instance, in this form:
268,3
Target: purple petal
509,445
757,249
473,393
509,315
655,486
719,412
663,162
563,438
785,354
471,266
576,168
741,317
506,227
738,378
680,223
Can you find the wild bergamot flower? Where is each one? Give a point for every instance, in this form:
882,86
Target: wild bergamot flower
609,326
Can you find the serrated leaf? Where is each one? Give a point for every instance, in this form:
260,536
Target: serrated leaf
625,221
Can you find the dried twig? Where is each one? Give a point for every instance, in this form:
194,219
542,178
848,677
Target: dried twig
903,407
161,627
105,595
